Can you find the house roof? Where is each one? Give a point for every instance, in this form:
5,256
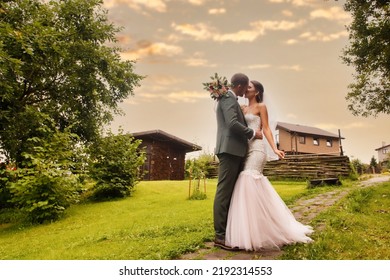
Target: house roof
306,130
383,147
162,136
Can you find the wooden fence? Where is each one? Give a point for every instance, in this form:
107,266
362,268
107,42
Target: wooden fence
212,170
302,167
309,167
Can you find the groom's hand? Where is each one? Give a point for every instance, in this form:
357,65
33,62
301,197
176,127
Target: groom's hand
258,134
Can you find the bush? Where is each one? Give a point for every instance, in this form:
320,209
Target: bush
115,163
203,166
357,168
45,186
197,194
5,193
44,193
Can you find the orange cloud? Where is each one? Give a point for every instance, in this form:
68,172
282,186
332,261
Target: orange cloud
259,66
296,2
333,13
217,11
199,31
322,37
202,31
138,5
291,67
152,49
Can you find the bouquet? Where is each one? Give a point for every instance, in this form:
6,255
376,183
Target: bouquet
218,86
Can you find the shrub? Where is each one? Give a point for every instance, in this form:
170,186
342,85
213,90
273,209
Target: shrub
357,168
115,163
5,193
197,194
204,165
197,169
45,186
44,193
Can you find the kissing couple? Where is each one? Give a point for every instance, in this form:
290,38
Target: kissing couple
248,213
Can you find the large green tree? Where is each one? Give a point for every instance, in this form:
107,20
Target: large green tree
56,58
369,53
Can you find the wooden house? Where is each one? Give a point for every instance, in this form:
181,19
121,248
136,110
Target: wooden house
165,154
383,154
295,139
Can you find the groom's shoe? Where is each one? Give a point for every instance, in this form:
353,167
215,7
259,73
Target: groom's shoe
218,242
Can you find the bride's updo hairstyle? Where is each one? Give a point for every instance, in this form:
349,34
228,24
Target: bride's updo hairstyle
260,89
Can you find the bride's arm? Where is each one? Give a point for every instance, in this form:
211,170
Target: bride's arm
267,130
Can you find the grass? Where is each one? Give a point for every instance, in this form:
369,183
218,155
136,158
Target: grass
357,228
157,222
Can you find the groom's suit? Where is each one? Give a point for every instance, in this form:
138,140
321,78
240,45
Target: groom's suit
231,148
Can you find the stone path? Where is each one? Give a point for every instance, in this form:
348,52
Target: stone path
304,211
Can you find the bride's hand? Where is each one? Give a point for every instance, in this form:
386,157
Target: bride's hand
280,154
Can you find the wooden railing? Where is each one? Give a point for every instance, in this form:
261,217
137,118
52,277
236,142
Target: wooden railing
313,166
309,167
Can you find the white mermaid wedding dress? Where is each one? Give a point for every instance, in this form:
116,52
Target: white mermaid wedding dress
258,218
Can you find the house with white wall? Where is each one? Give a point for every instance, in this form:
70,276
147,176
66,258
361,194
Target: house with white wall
383,153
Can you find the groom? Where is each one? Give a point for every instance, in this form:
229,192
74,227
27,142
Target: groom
232,144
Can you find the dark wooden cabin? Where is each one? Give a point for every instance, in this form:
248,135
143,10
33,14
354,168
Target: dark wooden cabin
165,154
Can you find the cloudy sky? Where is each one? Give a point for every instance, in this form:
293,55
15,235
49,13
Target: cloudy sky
292,47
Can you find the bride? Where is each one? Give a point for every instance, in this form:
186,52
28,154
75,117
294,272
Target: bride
258,218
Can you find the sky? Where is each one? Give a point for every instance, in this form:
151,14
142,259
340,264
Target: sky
293,47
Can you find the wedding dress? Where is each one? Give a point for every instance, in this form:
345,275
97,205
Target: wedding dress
258,218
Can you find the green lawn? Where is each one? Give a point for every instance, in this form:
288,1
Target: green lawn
357,228
157,222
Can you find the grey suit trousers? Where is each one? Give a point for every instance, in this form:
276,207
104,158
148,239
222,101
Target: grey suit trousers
229,169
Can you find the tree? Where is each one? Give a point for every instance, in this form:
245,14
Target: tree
115,165
369,54
373,164
55,59
198,169
357,166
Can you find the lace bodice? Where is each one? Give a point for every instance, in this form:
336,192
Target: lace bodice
253,121
256,156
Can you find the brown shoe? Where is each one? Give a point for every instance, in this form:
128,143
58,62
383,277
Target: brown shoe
221,244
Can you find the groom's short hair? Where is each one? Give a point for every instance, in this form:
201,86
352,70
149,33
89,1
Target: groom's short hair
239,79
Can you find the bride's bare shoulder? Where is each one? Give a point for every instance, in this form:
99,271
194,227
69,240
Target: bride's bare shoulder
261,106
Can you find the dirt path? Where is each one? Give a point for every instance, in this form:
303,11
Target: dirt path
304,210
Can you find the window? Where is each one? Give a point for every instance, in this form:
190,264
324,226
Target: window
302,140
384,151
329,143
316,141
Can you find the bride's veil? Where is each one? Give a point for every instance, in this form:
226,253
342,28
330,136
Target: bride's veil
272,121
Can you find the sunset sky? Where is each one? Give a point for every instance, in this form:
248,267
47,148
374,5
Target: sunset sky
292,47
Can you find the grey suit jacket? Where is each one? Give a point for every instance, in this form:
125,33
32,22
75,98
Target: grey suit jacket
232,132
